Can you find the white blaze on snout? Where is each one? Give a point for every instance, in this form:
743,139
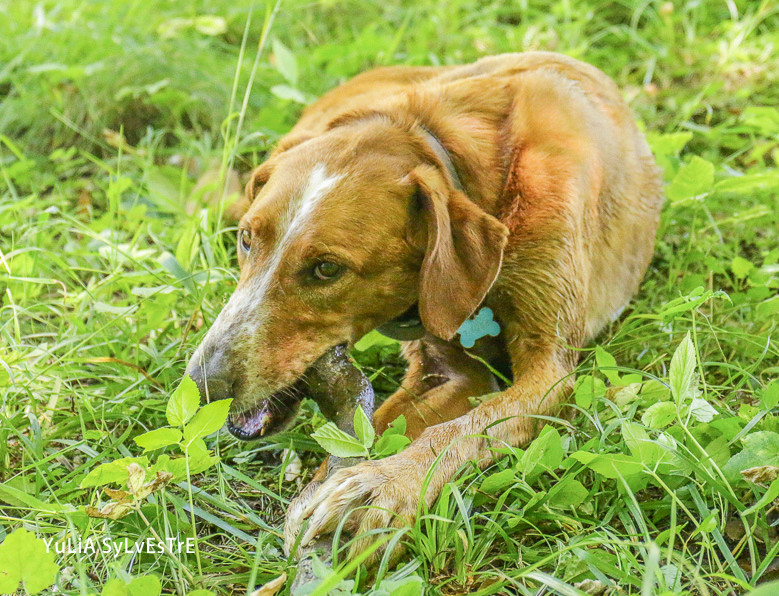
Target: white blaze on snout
242,316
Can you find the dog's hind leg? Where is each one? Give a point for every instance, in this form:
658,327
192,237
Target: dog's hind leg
439,380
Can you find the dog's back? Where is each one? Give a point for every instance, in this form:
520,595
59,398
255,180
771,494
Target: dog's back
623,216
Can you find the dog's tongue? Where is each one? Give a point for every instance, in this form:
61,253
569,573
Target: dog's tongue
251,424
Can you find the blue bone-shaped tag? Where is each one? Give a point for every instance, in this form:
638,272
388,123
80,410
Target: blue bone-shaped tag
479,326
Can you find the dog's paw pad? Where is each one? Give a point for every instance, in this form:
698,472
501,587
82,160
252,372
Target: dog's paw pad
479,326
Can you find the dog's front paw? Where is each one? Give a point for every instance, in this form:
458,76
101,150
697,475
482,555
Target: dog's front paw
294,519
370,495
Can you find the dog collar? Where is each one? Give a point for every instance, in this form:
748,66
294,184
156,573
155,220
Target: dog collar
406,327
443,155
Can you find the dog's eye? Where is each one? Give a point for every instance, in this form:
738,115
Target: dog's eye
327,270
245,239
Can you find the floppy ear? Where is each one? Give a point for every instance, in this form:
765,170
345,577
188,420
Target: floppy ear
258,179
463,254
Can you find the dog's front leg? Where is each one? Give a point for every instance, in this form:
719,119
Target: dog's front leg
392,487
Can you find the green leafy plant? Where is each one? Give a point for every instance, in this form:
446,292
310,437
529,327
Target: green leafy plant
25,560
341,444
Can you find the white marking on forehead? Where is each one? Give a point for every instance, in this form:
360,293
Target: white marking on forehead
298,213
319,184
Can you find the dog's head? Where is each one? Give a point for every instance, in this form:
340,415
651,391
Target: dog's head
346,231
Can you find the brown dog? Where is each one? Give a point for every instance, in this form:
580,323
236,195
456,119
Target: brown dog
519,182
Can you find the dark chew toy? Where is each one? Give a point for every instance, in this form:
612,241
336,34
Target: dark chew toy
338,387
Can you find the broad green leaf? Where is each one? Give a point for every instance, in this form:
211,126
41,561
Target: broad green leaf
374,338
693,179
393,440
708,524
534,500
545,453
768,308
761,448
396,427
768,498
748,183
336,442
112,472
569,492
741,267
290,93
659,415
114,587
668,143
285,62
587,389
626,394
410,586
363,428
209,419
155,439
640,445
767,589
770,397
390,444
764,118
200,459
702,410
176,466
201,592
606,363
672,576
610,465
147,585
654,391
682,372
184,402
498,481
24,558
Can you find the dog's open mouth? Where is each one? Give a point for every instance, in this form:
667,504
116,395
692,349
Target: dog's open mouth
332,381
269,416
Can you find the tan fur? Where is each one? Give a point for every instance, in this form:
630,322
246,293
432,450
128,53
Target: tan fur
553,232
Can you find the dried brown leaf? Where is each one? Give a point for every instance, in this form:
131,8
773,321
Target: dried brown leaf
272,587
761,474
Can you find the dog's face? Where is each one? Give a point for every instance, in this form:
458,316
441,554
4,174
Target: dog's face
345,232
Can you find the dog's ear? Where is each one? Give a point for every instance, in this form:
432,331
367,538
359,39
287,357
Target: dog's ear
258,179
238,209
463,253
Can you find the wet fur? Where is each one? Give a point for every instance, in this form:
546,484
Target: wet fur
554,232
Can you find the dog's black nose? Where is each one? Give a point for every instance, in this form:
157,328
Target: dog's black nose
211,385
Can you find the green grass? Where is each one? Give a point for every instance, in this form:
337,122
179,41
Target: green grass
114,263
